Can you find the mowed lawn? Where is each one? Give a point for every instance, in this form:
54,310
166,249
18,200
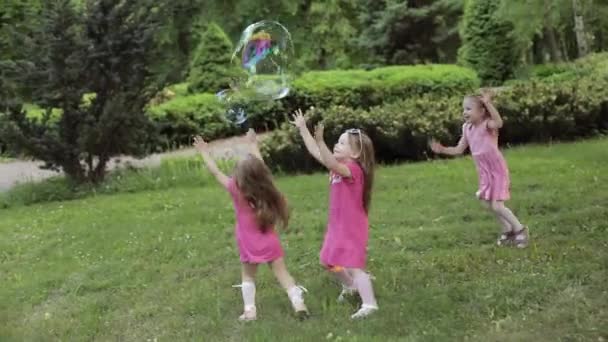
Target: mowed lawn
160,265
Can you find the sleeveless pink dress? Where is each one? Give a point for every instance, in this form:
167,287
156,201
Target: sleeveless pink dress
255,247
494,182
347,232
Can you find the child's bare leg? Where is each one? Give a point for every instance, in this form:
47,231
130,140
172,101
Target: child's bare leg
343,275
280,272
506,228
294,292
520,233
500,209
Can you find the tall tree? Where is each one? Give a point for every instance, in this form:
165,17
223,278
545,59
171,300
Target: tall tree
332,32
403,32
177,37
210,68
104,52
487,46
566,29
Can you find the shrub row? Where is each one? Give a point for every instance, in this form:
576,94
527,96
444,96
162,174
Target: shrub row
185,115
533,111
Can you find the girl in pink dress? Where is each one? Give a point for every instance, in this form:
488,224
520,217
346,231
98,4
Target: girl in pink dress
480,135
344,250
258,205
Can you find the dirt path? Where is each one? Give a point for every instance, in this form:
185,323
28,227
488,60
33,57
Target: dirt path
20,171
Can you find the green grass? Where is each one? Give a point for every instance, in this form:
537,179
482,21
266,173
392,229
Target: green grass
160,264
173,172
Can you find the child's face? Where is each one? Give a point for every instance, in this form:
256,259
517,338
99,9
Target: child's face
343,149
472,110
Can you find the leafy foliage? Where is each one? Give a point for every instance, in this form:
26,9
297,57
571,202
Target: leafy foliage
104,51
487,46
210,68
536,110
405,32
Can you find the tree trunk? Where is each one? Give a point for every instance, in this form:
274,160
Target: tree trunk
74,170
549,33
554,49
579,29
97,175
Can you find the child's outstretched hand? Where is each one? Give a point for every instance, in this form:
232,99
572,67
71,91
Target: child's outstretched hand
298,119
200,144
319,132
435,146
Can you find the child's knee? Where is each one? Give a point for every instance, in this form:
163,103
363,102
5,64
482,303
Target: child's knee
496,206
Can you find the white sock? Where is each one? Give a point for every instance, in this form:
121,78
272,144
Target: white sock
248,290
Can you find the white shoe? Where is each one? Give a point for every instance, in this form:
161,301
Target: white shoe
365,311
346,292
250,314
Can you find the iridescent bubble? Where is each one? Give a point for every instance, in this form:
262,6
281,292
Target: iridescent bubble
235,112
236,115
263,55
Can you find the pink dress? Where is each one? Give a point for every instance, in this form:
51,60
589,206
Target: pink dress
255,247
347,232
491,166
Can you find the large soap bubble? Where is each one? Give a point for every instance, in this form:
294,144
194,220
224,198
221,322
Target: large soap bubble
263,55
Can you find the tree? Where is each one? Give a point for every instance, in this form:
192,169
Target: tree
404,32
565,29
101,56
210,68
487,45
177,37
331,33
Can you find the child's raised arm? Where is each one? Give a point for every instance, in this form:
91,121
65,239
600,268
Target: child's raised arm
300,122
252,140
202,147
495,121
327,158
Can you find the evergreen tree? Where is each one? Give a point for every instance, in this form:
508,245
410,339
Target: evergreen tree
210,68
487,44
102,55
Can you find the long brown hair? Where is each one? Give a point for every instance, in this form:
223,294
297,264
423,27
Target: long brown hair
255,182
361,143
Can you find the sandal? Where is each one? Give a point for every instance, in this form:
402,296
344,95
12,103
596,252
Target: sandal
505,239
521,238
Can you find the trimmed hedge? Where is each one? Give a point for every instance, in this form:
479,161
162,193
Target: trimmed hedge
533,111
181,117
364,89
596,63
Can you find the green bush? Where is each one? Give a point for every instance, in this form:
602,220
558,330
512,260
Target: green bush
364,89
533,111
177,120
181,117
592,64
